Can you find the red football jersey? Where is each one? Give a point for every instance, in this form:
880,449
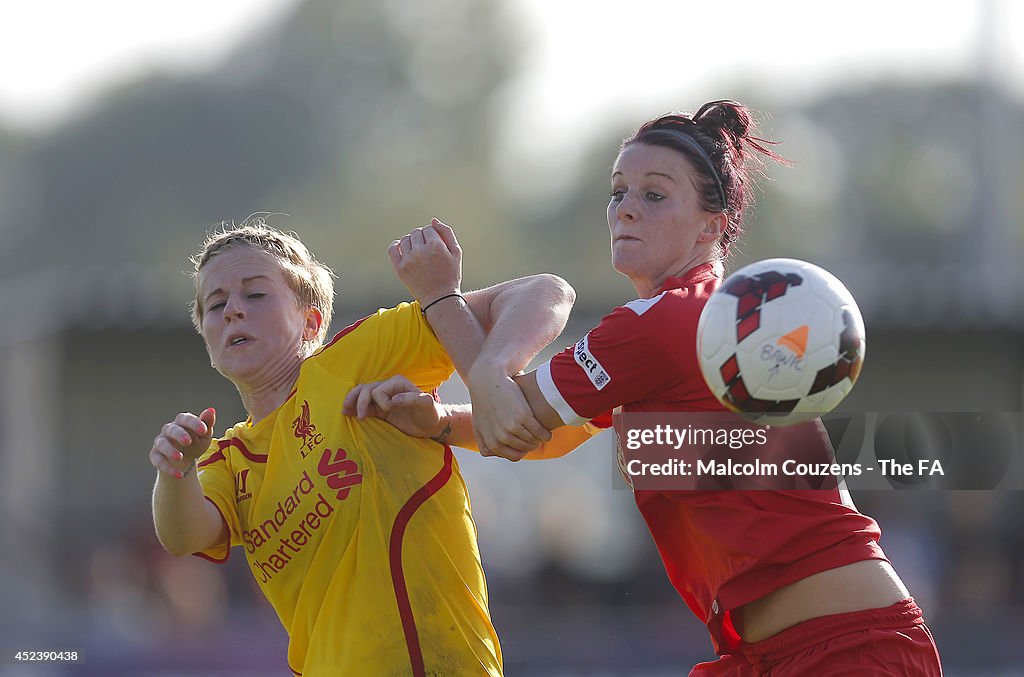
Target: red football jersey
723,548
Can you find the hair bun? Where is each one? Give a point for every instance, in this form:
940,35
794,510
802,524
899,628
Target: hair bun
725,118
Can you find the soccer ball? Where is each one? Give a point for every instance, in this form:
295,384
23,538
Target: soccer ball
781,341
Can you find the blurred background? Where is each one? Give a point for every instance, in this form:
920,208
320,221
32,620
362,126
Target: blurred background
128,130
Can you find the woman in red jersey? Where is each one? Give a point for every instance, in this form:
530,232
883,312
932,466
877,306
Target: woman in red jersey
788,582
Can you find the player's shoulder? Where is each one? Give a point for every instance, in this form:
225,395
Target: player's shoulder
242,442
370,327
664,302
363,325
669,319
676,304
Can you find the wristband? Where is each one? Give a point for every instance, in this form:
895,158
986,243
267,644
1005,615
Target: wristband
446,296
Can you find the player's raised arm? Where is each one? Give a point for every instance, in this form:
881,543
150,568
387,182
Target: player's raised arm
185,521
523,315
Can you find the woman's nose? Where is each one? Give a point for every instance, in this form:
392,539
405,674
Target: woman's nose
233,310
626,208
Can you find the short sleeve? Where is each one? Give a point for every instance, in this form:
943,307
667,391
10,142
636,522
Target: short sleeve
218,483
600,422
619,361
392,341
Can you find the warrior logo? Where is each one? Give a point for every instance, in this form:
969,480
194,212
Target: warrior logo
242,492
305,430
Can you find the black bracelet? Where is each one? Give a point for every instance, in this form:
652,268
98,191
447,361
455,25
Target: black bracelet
446,296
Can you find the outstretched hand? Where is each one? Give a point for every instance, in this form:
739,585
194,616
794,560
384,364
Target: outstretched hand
182,441
398,401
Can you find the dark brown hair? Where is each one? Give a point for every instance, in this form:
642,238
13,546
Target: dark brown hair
719,141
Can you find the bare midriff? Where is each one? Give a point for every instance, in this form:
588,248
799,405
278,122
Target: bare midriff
870,584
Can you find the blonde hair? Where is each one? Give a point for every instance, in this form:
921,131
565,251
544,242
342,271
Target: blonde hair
311,280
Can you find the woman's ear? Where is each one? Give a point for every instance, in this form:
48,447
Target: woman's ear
713,228
314,319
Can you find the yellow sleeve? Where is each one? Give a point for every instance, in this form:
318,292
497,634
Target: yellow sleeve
563,440
218,483
391,341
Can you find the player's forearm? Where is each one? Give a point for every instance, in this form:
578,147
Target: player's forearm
459,331
526,317
460,426
185,522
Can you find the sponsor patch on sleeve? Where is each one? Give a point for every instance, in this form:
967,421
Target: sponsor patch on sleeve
591,367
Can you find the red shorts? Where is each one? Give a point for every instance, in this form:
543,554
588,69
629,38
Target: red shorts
888,641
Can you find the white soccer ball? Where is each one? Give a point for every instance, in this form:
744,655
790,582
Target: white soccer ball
781,341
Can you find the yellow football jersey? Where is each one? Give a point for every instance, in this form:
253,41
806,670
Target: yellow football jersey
360,536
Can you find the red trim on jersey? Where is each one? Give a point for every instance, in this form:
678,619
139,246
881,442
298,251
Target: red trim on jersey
214,457
226,528
238,444
402,520
347,330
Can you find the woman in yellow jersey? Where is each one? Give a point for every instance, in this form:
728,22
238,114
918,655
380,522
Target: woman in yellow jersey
359,535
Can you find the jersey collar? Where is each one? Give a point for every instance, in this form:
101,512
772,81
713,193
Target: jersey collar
705,272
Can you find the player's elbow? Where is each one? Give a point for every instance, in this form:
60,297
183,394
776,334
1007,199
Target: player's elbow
560,293
180,540
176,546
562,288
179,552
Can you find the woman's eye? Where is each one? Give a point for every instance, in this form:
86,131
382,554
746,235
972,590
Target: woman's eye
257,295
217,306
617,195
654,197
